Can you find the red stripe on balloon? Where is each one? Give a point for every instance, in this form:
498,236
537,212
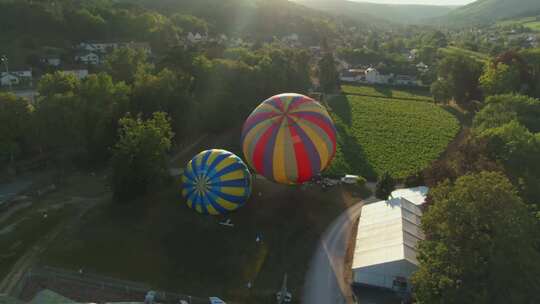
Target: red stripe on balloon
322,123
302,158
260,147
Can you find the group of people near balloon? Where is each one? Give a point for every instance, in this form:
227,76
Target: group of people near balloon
289,138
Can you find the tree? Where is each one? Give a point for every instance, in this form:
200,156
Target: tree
190,23
462,74
501,109
103,103
328,74
440,90
57,83
479,234
124,63
15,115
385,186
164,92
140,156
58,125
499,79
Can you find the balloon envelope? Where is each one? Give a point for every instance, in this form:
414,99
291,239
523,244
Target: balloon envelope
289,138
216,182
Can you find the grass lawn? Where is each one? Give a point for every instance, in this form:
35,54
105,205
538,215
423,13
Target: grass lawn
25,227
377,135
535,25
160,241
481,57
388,92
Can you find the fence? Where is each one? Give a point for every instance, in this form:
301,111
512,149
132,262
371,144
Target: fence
86,287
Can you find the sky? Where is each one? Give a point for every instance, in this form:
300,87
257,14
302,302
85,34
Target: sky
428,2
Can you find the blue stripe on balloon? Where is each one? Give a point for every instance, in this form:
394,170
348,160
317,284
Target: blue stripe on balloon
231,198
230,168
204,161
212,199
218,160
232,183
269,152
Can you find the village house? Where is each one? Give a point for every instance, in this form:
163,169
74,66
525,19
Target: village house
406,80
16,77
374,77
87,58
53,60
99,47
196,38
422,67
353,75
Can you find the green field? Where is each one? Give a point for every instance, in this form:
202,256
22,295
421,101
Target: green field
531,22
535,26
387,92
376,135
158,240
481,57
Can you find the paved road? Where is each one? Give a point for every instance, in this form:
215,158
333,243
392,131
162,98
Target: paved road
325,283
325,280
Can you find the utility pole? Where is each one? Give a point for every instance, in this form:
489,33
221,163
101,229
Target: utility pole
4,59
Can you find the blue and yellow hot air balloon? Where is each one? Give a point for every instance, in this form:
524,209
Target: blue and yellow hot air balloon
216,182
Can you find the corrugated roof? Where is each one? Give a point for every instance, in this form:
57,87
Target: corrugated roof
387,231
416,195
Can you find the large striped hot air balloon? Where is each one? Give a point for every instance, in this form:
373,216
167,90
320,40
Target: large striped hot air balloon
289,138
216,182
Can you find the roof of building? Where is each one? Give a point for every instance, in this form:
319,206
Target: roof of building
416,195
352,72
387,231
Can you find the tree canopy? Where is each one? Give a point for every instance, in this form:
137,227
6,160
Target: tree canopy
479,234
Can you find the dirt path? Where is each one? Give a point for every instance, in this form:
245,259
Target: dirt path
27,260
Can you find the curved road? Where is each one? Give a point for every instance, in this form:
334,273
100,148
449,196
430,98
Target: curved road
325,279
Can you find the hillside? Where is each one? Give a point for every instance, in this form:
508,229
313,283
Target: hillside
387,12
485,11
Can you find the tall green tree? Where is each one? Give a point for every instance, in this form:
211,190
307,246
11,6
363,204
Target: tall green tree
15,115
164,92
124,63
385,185
479,234
103,103
328,74
499,78
139,160
57,83
461,74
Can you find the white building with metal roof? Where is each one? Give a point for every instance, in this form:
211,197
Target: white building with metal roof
385,249
416,195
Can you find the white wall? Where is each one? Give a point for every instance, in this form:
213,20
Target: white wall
383,275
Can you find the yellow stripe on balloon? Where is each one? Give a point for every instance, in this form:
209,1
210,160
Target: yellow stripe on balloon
211,158
238,174
257,131
226,204
237,191
225,163
279,154
211,209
